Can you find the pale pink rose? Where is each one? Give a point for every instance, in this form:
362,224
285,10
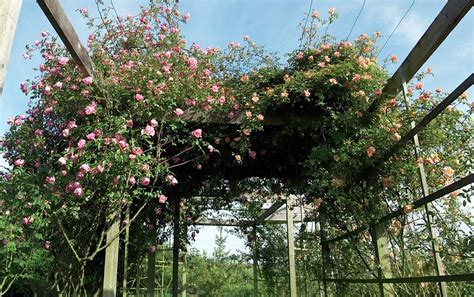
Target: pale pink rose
210,148
71,125
65,132
50,179
130,123
333,81
91,108
153,123
186,17
215,89
145,168
78,192
356,78
58,85
44,33
139,97
149,130
197,133
370,151
63,60
162,198
100,168
137,151
171,180
145,181
419,86
87,80
253,154
38,132
192,63
307,93
26,221
81,144
393,58
19,162
62,161
178,112
90,136
85,168
132,181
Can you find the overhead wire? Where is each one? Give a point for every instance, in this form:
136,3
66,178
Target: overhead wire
357,18
396,27
306,22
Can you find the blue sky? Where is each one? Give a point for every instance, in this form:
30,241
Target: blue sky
273,23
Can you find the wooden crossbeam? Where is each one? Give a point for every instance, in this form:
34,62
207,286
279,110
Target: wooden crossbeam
275,206
60,22
418,203
221,222
370,171
466,277
443,24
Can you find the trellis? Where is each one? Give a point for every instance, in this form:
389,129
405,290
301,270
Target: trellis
443,24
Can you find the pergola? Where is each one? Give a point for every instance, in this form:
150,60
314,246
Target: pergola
281,211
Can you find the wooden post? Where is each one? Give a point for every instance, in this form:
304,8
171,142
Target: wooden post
325,250
125,252
151,267
176,249
384,268
255,261
112,257
58,19
184,280
291,245
443,288
9,13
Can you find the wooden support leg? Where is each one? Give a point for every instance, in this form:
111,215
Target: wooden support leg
111,258
151,272
325,251
255,261
382,259
291,245
176,250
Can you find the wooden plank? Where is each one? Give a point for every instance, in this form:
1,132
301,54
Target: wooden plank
370,171
268,212
290,235
220,222
384,268
443,288
112,257
60,22
466,277
465,181
176,231
447,19
255,261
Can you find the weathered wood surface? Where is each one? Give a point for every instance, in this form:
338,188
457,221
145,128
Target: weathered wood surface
60,22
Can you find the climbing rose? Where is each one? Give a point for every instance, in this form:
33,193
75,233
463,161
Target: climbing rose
370,151
139,97
63,60
162,198
197,133
81,144
448,171
145,181
192,63
50,179
78,192
19,162
178,112
87,80
149,130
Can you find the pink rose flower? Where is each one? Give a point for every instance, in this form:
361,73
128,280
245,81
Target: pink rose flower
197,133
87,80
370,151
178,112
19,162
38,132
253,154
132,181
154,123
65,132
91,108
81,144
145,181
50,179
171,180
90,136
63,60
62,161
162,198
71,125
85,168
78,192
192,63
139,97
149,130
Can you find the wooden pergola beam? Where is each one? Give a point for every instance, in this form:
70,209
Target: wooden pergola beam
60,22
442,25
275,206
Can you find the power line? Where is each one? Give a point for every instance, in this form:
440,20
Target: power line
386,41
357,18
306,22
